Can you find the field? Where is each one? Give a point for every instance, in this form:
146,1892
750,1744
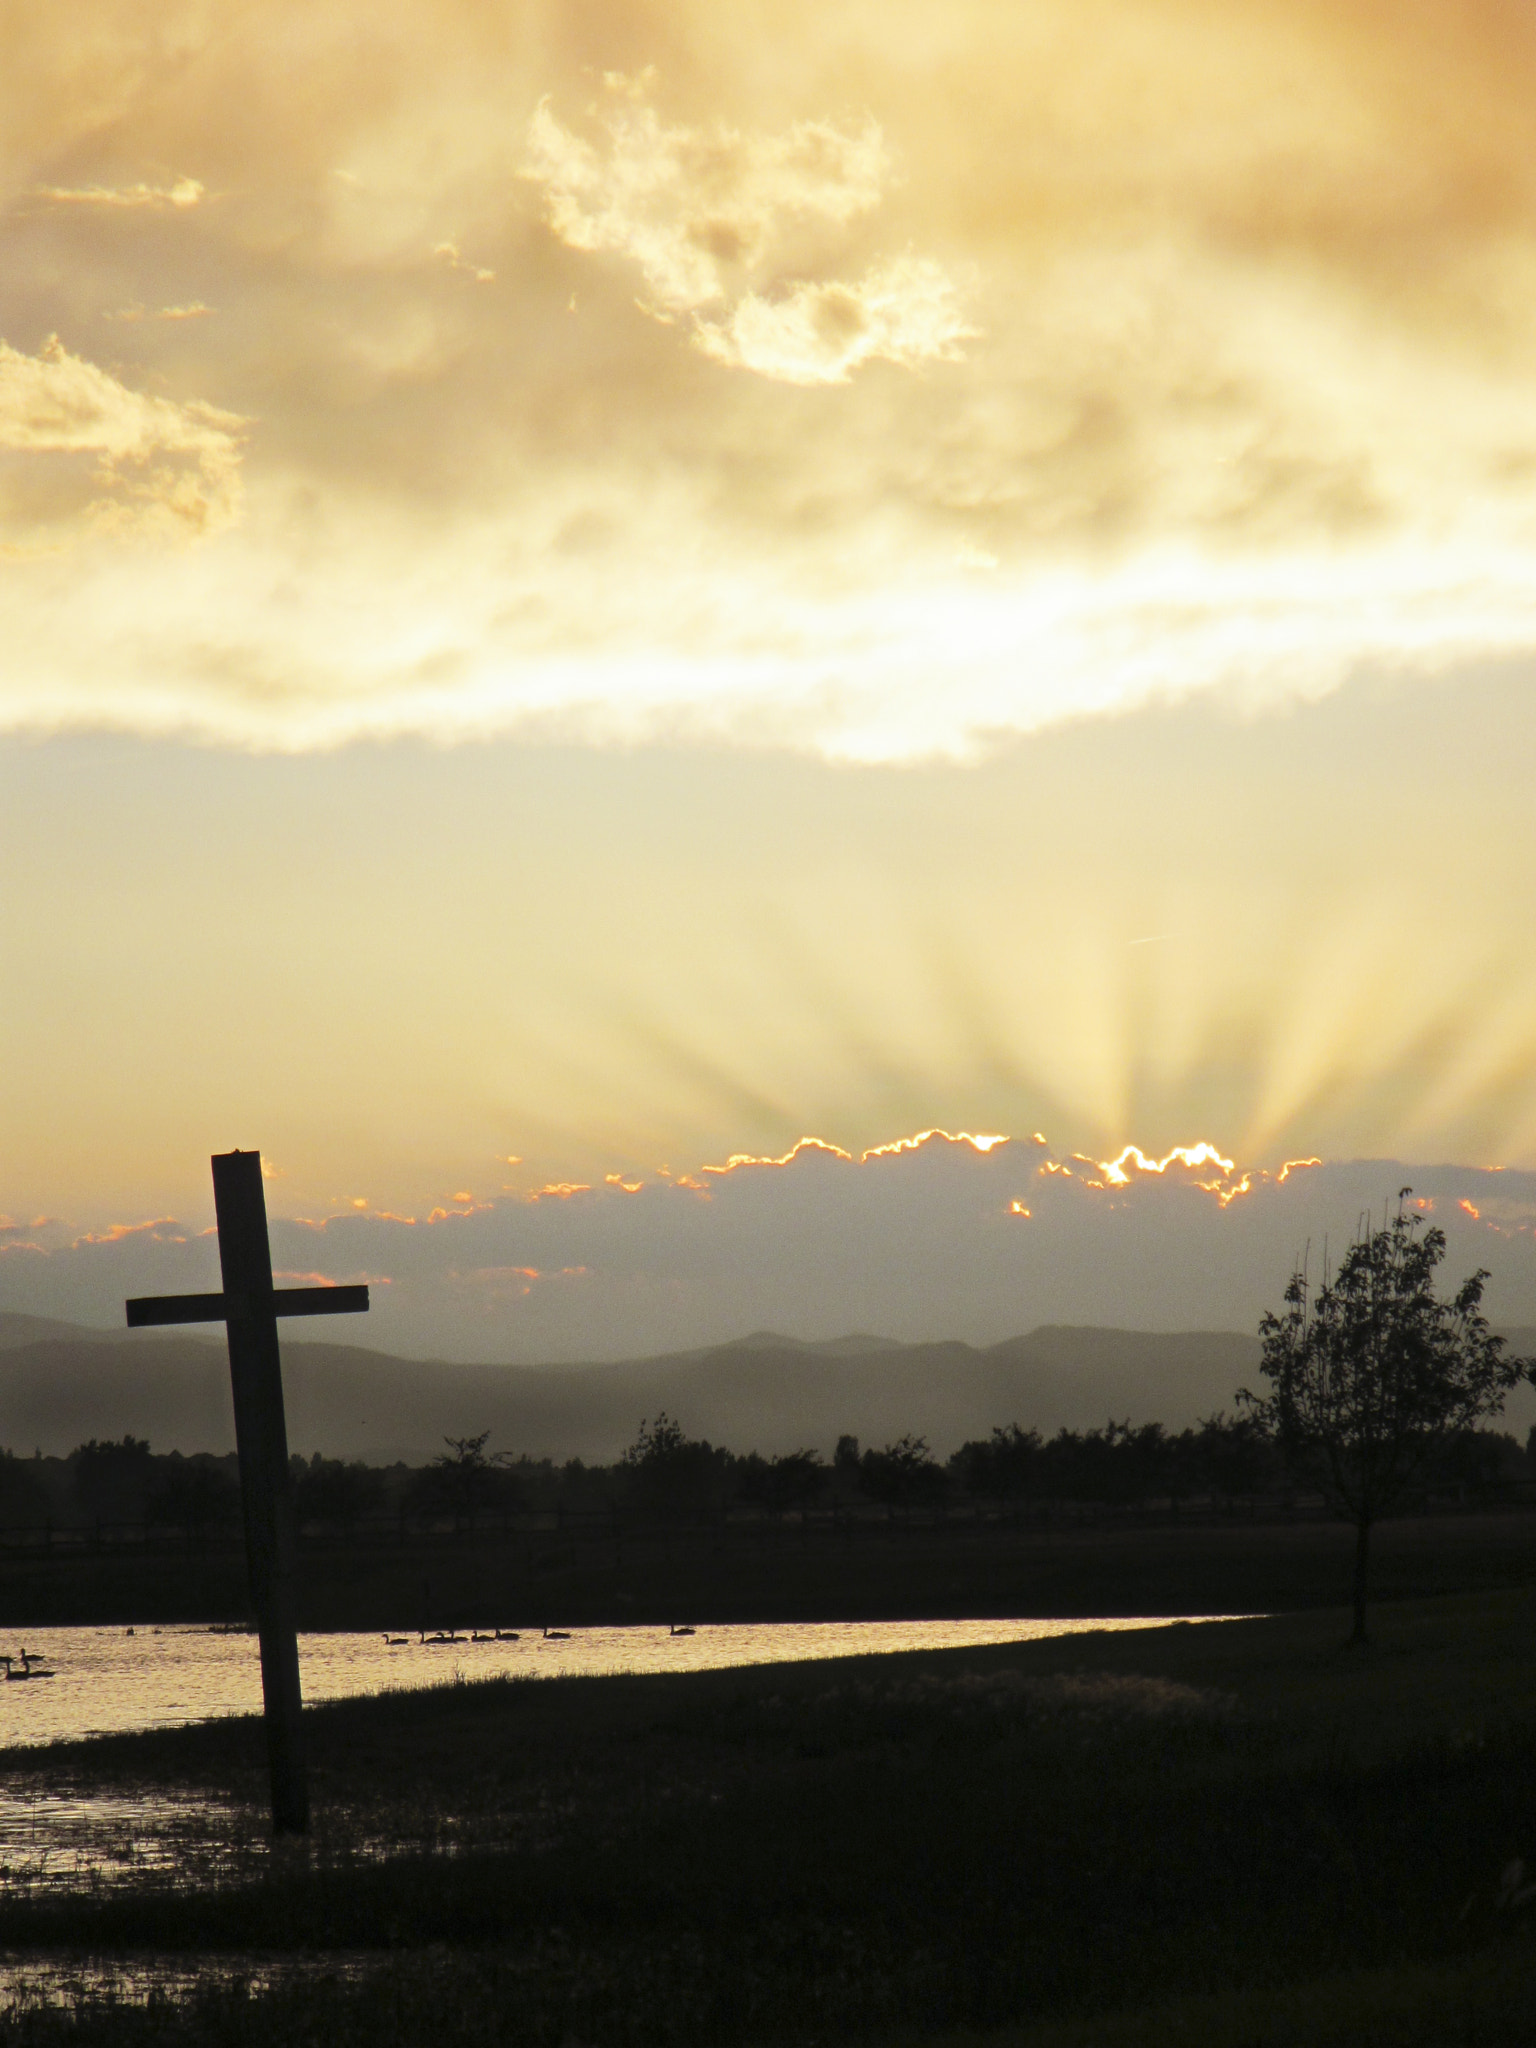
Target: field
1233,1833
867,1568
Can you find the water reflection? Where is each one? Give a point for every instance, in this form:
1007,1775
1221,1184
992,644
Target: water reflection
111,1681
30,1981
64,1840
63,1833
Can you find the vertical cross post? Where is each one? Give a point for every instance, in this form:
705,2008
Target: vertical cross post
249,1308
261,1438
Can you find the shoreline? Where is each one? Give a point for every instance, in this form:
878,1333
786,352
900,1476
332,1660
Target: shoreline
895,1847
711,1577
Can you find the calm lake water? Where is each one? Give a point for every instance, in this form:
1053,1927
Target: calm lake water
107,1680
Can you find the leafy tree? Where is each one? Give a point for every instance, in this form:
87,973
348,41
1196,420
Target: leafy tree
23,1496
1373,1373
113,1479
749,1478
792,1479
328,1490
1476,1461
666,1472
845,1464
795,1479
902,1474
1115,1465
194,1495
466,1480
1004,1466
1232,1457
584,1487
656,1442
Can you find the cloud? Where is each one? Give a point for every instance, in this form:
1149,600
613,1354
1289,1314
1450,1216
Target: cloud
154,463
923,1238
185,193
131,315
698,208
450,253
1229,389
904,311
703,211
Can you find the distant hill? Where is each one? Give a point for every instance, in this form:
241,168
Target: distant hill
16,1330
763,1392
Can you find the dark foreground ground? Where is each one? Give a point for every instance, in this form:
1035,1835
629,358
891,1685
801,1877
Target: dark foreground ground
1230,1834
865,1570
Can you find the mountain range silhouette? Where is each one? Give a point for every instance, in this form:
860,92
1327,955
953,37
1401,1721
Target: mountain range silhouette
61,1384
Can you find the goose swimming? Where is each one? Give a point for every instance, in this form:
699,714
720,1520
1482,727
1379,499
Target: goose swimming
30,1668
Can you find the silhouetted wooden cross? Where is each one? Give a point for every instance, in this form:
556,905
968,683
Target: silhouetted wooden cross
249,1308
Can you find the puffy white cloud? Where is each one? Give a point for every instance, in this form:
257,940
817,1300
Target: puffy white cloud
154,462
906,311
705,211
699,208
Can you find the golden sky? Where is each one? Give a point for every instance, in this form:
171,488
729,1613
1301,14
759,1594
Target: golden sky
597,586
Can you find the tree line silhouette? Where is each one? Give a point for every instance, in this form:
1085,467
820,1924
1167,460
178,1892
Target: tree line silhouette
666,1475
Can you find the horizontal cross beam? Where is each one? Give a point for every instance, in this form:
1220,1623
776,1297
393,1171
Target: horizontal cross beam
152,1309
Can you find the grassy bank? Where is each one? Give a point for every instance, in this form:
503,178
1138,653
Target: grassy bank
1196,1834
871,1570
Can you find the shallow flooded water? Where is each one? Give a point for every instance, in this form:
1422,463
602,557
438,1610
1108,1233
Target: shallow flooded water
62,1833
111,1680
74,1981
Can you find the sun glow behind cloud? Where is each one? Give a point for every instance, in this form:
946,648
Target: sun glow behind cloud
978,1142
721,409
850,678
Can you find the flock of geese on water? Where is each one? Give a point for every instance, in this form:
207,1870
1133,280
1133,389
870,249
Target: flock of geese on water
27,1664
500,1635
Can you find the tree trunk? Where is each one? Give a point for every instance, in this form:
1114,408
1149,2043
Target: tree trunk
1362,1564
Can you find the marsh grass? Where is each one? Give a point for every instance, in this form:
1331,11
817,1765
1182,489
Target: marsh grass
1018,1838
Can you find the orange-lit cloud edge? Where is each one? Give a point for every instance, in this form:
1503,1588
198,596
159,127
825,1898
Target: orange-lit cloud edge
1201,1168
